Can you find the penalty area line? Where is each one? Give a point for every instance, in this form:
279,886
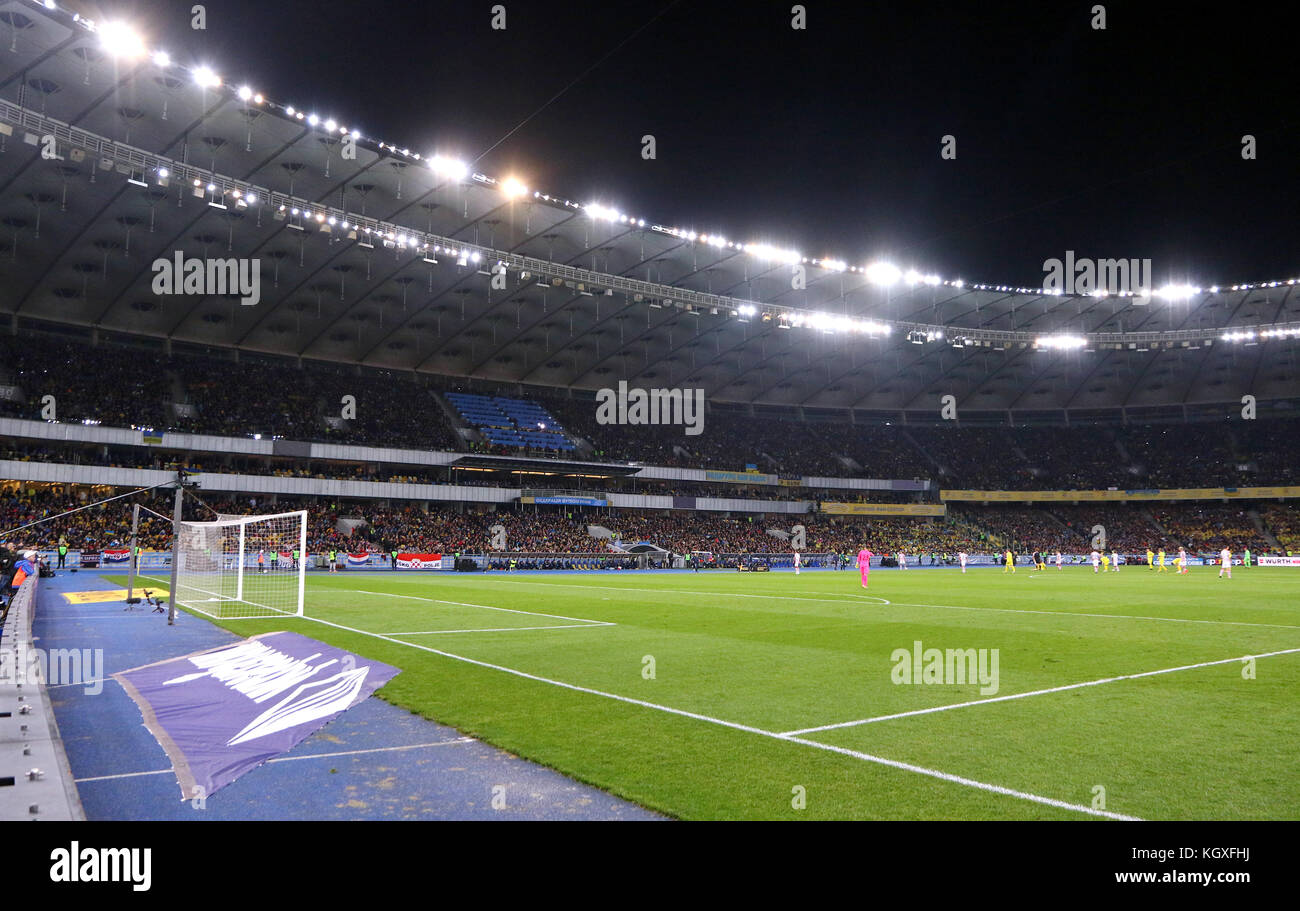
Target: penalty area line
508,610
866,757
502,629
1054,689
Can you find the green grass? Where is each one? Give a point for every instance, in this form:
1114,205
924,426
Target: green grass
777,653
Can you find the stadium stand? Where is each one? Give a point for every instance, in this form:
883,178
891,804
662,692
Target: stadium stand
511,423
1210,528
1284,524
204,393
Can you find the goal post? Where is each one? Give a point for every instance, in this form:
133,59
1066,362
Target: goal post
240,567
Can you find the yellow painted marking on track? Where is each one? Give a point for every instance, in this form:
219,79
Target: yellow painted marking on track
106,595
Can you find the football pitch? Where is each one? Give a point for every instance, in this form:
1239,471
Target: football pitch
932,695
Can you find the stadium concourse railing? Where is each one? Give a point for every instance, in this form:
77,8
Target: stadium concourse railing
35,778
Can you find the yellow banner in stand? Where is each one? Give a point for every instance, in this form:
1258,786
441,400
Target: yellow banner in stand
883,509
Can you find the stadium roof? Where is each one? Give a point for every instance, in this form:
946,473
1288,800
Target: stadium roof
387,259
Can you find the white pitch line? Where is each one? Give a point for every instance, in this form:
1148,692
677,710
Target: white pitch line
503,629
1054,689
508,610
867,757
1061,613
682,591
851,599
410,746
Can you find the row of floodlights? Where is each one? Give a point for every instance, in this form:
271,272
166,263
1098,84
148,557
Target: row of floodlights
122,41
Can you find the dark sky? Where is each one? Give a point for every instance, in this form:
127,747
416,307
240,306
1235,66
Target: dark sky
1117,143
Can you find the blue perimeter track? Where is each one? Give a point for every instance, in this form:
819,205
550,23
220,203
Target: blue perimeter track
375,761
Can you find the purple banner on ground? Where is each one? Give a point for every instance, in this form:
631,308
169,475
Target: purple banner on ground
225,711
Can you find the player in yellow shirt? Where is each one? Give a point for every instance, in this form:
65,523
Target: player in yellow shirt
1105,563
1160,559
1151,559
1011,563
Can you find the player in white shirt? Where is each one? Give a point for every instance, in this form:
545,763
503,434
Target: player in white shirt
796,562
962,557
1114,559
1182,561
1058,559
1096,561
1225,563
902,560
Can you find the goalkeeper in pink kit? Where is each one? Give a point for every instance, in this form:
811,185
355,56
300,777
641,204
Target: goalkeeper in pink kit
864,564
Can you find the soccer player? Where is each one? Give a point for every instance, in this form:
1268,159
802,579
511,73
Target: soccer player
1225,563
1181,562
1096,560
1160,562
1114,560
961,557
902,560
1151,559
1105,563
1038,560
864,564
796,562
1058,559
1010,562
1245,558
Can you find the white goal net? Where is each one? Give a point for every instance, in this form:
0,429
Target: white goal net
243,566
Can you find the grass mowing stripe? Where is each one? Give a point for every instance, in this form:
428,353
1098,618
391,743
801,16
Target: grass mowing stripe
1054,689
884,602
502,629
508,610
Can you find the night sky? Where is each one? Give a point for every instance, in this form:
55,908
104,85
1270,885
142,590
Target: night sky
1118,143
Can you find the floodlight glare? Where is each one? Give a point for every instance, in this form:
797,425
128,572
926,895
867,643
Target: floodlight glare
205,77
883,274
449,167
121,40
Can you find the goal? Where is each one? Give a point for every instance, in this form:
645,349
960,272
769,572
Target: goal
243,566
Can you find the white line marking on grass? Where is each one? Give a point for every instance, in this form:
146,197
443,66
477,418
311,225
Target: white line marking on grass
1062,613
957,779
508,610
410,746
1054,689
880,760
503,629
682,591
850,598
